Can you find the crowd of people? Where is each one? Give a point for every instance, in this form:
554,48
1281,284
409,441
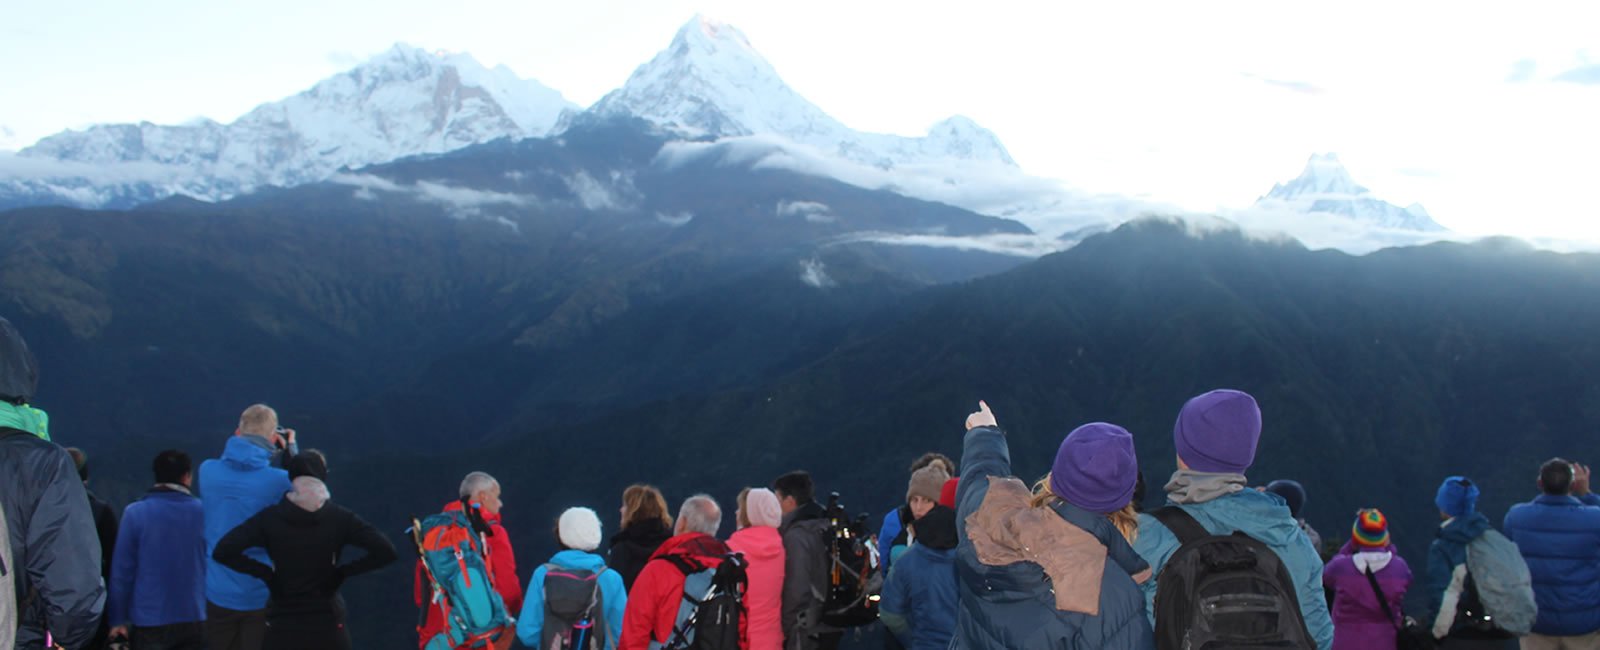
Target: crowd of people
244,552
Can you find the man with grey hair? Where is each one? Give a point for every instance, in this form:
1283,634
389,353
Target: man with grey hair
657,594
479,495
234,488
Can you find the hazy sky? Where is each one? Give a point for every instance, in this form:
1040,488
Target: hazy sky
1490,117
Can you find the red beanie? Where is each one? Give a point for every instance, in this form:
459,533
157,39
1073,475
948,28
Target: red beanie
947,494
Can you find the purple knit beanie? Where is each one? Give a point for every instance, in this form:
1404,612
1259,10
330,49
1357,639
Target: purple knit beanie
1217,432
1096,468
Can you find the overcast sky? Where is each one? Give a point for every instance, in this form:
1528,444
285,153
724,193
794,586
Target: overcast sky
1488,117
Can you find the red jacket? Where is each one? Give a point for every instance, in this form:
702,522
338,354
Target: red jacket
658,592
502,565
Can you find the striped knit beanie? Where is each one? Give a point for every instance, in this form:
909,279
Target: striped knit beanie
1371,530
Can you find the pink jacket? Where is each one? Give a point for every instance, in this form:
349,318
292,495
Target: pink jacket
762,547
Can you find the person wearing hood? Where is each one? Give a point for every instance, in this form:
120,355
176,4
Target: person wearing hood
658,595
234,488
758,518
1294,496
1051,567
1215,437
920,597
303,536
1361,621
1446,579
646,523
579,533
54,567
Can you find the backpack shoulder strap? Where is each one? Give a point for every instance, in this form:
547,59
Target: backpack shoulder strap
1181,523
1383,602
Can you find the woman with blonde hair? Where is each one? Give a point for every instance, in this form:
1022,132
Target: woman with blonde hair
1050,567
646,524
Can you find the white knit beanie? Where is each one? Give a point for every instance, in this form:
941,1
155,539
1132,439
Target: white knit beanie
761,507
580,529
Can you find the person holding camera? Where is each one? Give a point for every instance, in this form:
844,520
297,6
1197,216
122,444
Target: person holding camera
233,488
805,566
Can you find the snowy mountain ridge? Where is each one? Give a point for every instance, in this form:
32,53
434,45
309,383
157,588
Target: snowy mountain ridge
1325,186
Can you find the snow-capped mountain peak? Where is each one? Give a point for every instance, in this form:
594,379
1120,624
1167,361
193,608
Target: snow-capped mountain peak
402,102
1326,186
710,81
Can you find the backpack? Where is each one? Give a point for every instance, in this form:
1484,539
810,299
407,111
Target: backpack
455,557
713,604
8,589
573,610
854,581
1224,591
1498,577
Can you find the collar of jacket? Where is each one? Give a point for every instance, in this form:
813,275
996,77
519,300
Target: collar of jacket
171,487
1557,500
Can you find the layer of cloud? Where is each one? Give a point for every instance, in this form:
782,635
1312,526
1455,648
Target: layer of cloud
1583,74
459,202
814,274
616,194
1523,71
1302,87
675,219
809,210
1029,246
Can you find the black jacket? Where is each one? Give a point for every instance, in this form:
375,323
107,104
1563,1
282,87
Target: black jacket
304,547
53,542
631,549
806,581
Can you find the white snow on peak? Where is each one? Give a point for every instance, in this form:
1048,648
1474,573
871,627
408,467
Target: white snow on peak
1326,187
711,82
403,102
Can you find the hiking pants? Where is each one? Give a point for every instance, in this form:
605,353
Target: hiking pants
231,629
178,636
322,630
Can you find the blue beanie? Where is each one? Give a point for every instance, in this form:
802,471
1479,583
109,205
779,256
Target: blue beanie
1096,468
1217,432
1292,492
1457,497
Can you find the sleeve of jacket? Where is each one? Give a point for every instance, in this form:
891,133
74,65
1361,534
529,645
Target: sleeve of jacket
378,550
124,566
1590,499
105,525
530,619
984,453
896,604
639,618
616,597
505,570
1307,564
886,534
230,549
1437,577
64,554
802,550
1155,544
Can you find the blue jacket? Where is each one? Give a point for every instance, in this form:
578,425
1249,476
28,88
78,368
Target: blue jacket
613,596
234,488
158,572
1448,551
1262,516
919,599
1014,605
886,535
1559,536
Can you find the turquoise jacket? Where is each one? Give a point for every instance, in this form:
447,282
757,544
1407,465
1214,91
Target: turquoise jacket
1262,516
613,597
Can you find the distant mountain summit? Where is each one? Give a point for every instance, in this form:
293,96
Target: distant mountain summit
403,102
711,82
1326,186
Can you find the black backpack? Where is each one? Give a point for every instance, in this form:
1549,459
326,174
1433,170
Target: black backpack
574,610
1224,591
713,604
854,578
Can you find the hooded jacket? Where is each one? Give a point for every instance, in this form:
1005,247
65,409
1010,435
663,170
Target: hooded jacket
502,565
658,593
920,596
633,546
1447,552
158,576
1060,578
54,551
234,488
613,597
1264,517
1559,536
762,547
303,535
1358,619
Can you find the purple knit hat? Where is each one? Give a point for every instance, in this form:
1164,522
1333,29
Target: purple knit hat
1096,468
1217,432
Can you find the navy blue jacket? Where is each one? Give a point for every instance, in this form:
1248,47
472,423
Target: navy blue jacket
920,597
158,575
1014,605
1559,536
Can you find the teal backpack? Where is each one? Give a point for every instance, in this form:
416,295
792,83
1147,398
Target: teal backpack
456,560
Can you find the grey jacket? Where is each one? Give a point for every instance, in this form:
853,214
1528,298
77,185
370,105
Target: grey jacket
805,575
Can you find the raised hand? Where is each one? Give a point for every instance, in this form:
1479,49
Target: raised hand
1580,479
983,418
